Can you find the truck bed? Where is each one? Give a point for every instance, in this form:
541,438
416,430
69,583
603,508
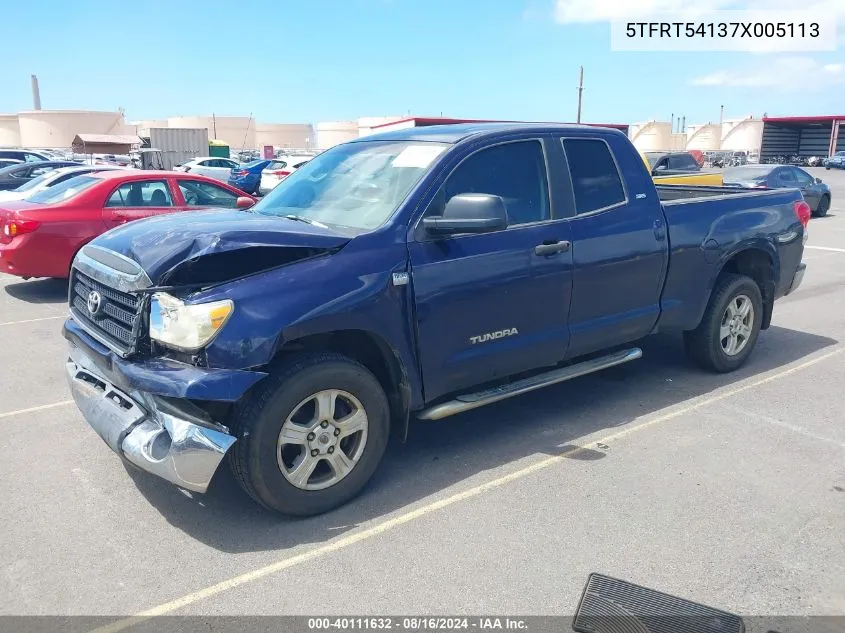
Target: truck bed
680,193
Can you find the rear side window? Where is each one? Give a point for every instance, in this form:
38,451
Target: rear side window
514,171
148,193
596,183
786,178
682,161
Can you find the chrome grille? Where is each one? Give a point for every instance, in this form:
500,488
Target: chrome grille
114,321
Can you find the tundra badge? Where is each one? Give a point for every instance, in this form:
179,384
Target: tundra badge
492,336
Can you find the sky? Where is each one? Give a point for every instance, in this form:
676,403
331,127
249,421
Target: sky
324,60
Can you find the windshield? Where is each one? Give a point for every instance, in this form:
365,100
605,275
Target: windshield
65,190
356,185
747,174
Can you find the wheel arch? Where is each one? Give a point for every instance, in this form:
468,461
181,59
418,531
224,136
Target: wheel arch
758,264
374,353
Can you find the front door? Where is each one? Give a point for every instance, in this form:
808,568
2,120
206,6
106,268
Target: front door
619,247
487,306
809,189
137,199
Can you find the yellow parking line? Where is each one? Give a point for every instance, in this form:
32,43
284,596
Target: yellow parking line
42,407
368,533
49,318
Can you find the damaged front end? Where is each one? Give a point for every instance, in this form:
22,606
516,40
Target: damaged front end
150,392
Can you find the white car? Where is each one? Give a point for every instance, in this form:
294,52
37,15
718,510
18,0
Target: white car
49,179
210,166
278,170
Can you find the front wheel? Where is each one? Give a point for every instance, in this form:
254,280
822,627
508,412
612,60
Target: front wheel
312,435
724,339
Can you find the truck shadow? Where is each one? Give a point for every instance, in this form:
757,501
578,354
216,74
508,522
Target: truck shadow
39,291
439,455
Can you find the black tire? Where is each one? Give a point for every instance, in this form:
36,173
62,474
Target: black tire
258,422
824,205
703,344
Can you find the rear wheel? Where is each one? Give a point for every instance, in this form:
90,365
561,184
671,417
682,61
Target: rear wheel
724,339
821,210
312,436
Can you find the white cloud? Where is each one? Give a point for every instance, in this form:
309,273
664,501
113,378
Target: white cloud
785,73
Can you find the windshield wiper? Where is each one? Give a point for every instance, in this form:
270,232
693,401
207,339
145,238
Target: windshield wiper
299,218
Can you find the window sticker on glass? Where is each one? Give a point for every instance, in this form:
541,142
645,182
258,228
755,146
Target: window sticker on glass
419,156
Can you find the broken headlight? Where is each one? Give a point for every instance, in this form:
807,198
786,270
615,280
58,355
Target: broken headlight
186,327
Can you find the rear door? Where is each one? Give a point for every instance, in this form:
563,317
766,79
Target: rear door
619,246
487,306
138,199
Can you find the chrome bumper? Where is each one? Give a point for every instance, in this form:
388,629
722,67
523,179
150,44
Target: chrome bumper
177,450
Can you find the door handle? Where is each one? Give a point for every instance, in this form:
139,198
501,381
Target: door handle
552,248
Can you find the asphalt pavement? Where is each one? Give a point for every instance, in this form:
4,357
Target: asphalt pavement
724,489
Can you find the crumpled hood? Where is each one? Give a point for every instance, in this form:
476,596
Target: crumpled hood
216,245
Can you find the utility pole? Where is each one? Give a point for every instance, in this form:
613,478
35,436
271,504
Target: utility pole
214,125
580,90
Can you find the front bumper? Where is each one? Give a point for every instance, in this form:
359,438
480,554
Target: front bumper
797,278
159,442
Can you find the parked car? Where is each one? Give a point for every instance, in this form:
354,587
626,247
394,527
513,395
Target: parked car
50,179
16,175
836,161
398,276
8,162
816,193
209,166
40,235
25,155
278,170
667,163
247,177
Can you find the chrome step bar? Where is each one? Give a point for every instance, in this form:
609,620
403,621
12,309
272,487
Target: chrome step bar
488,396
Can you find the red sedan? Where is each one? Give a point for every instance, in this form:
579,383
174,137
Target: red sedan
41,235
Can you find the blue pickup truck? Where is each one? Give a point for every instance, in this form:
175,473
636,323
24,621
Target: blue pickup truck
413,274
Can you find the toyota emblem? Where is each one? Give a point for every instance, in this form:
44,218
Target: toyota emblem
94,302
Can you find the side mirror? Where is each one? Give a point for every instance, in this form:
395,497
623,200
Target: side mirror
244,203
469,213
818,181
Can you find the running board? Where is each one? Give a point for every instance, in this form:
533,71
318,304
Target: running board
489,396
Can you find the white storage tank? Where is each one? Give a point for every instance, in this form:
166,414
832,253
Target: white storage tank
742,134
57,128
652,136
10,131
331,133
704,137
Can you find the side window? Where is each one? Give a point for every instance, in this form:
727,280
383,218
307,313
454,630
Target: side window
786,178
147,193
206,163
803,178
198,193
596,183
32,158
682,161
37,171
514,171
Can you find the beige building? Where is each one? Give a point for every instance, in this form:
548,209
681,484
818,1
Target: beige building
238,132
56,128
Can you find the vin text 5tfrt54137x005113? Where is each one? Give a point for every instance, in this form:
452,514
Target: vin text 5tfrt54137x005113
418,273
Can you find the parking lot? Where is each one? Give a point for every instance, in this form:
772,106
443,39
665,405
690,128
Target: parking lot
724,489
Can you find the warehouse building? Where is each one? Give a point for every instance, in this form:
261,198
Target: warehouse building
802,136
